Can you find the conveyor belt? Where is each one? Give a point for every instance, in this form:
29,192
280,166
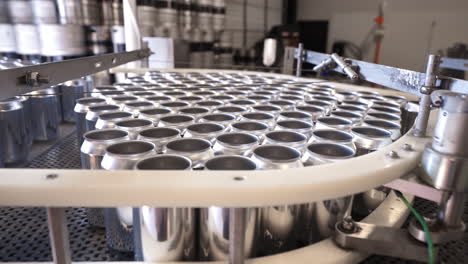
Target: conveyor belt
24,233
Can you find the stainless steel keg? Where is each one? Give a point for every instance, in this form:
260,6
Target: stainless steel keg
197,150
215,221
81,109
164,234
159,136
119,221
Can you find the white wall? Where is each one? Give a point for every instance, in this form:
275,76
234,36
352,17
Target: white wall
407,26
255,19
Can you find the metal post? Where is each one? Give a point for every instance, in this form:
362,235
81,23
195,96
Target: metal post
425,102
58,233
300,53
236,235
451,209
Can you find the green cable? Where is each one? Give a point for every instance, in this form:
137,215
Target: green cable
421,220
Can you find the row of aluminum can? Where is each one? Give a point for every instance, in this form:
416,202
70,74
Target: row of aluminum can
215,121
36,117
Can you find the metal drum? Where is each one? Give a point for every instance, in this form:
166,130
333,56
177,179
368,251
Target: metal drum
80,111
71,91
61,40
164,234
92,152
14,136
44,114
119,221
215,221
70,12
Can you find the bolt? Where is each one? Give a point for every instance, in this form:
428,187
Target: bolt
425,90
407,147
51,176
393,155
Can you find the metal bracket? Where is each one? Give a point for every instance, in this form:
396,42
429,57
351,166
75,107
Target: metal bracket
398,79
415,188
22,80
455,64
380,240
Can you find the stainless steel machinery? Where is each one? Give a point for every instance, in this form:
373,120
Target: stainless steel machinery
290,187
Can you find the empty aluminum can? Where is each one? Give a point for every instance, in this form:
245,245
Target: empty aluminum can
134,126
369,139
14,138
223,119
197,150
70,92
320,218
122,100
352,108
354,117
235,144
208,131
236,111
255,128
261,117
279,224
315,111
178,121
137,106
387,125
164,234
334,123
94,111
295,115
195,112
154,114
45,114
333,136
119,221
302,127
292,139
210,104
285,105
214,221
81,109
108,120
271,109
328,106
92,151
175,106
384,116
384,109
159,136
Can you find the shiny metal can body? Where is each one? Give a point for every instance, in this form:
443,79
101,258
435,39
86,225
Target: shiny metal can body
257,129
292,139
235,143
134,126
81,109
279,224
337,123
197,150
215,221
108,120
302,127
70,92
208,131
94,111
178,121
333,136
119,221
154,114
369,139
92,151
164,234
45,114
14,136
159,136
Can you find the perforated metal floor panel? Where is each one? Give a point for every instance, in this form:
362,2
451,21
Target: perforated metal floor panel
24,233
